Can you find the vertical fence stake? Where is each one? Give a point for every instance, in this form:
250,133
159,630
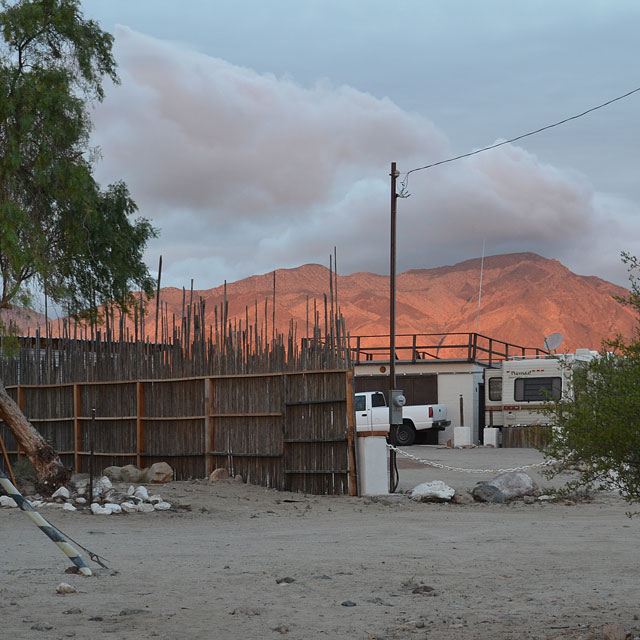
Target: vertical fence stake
351,436
77,429
139,423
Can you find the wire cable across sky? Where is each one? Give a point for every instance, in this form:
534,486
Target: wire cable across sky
404,183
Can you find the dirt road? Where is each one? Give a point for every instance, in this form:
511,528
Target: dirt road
356,568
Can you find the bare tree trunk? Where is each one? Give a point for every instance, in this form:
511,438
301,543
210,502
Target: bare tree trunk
50,471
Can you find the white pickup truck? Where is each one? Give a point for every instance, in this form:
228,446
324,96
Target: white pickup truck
372,414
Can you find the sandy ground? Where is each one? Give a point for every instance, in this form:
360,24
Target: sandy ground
215,571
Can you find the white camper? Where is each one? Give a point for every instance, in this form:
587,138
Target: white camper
515,393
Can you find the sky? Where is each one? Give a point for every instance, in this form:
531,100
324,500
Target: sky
259,134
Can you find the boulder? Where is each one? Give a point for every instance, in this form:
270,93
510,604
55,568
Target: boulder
162,506
219,474
113,473
159,472
145,507
68,507
484,492
7,501
131,473
434,491
514,484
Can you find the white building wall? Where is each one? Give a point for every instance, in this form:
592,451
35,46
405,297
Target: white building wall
455,379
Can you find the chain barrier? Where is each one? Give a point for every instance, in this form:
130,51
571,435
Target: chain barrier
445,467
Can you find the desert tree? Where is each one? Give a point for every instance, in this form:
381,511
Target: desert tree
599,426
60,232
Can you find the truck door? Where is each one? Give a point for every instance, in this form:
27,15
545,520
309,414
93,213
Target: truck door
363,413
379,412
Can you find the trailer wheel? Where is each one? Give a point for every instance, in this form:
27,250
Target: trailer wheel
405,434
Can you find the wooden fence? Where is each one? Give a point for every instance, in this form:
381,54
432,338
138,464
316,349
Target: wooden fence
527,437
291,431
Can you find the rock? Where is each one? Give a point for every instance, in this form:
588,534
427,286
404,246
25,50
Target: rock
238,478
41,626
434,491
67,506
529,499
131,473
348,603
7,501
113,473
99,510
112,508
104,484
142,493
461,498
162,506
115,497
129,507
79,480
81,500
131,490
285,580
514,484
61,493
281,628
613,632
484,492
145,507
65,588
219,474
131,612
159,472
155,498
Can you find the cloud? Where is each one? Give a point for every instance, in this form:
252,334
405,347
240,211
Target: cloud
246,172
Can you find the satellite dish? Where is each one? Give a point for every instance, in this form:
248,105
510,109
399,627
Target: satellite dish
552,342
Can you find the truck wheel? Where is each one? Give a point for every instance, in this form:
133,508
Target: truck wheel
405,434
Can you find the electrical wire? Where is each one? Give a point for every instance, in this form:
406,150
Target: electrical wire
404,183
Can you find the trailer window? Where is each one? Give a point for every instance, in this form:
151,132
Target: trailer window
537,389
361,403
495,389
377,400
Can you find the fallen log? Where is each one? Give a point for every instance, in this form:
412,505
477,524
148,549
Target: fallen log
50,472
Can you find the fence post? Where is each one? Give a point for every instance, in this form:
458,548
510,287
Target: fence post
20,398
209,431
77,428
139,423
351,435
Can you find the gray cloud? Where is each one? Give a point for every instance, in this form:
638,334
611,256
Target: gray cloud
247,172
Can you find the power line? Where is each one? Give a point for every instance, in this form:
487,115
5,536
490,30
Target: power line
405,181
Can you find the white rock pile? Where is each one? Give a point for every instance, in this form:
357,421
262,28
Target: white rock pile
106,499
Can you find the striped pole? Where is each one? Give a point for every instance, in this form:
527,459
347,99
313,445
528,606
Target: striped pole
44,526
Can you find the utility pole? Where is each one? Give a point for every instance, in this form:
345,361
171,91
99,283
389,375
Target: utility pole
392,333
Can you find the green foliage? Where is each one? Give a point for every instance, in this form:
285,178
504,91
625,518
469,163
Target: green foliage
600,426
58,229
